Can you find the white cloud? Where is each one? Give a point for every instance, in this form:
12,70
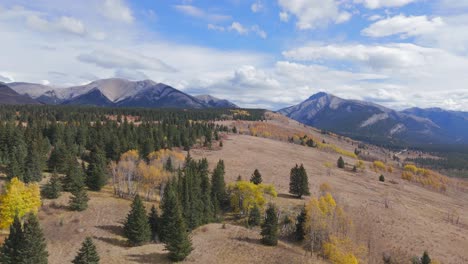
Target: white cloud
405,26
196,12
284,16
113,58
374,4
216,27
313,13
256,7
239,28
117,10
260,32
71,24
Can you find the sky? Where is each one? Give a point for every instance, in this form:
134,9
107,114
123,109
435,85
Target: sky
256,53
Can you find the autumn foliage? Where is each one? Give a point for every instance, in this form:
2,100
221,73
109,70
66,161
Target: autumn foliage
245,195
425,177
18,199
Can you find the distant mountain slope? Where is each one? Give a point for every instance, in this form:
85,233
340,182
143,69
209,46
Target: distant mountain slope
369,121
215,102
9,96
34,90
455,123
161,96
93,98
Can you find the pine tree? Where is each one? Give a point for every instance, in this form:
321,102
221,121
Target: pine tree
10,252
381,178
137,228
208,208
153,220
74,178
168,165
300,225
79,200
425,259
298,181
270,227
218,188
87,253
256,177
340,163
96,176
175,234
254,216
34,248
52,189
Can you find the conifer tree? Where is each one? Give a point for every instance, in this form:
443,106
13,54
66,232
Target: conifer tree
382,178
34,248
175,234
254,216
153,220
96,176
425,259
218,187
168,165
137,228
79,199
208,208
300,225
10,252
256,177
270,227
52,189
87,253
340,163
298,181
74,178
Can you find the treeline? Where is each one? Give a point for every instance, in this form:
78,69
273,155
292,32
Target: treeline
35,138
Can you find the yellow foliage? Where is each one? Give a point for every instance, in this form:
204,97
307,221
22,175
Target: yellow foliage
378,165
425,177
334,148
131,155
18,198
360,164
411,168
390,169
244,195
327,204
339,251
325,188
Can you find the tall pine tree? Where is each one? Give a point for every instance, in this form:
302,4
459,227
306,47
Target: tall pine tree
298,181
254,216
96,176
10,252
34,248
270,227
174,229
52,189
153,220
218,188
300,225
137,228
87,253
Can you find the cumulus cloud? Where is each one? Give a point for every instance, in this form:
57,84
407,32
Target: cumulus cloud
196,12
239,28
405,26
117,10
313,13
374,4
257,7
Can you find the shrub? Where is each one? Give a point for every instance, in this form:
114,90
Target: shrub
382,178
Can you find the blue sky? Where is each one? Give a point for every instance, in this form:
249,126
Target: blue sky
257,53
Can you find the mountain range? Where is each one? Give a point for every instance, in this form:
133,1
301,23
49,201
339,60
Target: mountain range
117,92
358,119
378,124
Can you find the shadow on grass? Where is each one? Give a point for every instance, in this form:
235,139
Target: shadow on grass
113,241
113,229
288,196
248,240
149,258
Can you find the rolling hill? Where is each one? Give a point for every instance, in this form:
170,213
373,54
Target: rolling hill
10,97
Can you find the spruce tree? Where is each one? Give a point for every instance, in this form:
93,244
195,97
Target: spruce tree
381,178
34,248
298,181
137,228
425,259
96,176
174,229
208,208
340,163
218,187
79,199
300,225
270,227
87,253
256,177
254,216
52,189
10,252
74,178
153,220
